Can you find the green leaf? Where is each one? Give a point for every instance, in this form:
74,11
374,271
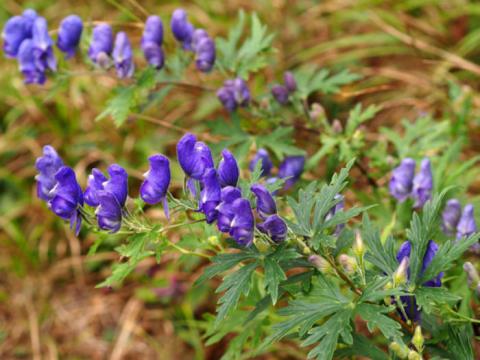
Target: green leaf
459,342
358,116
429,298
362,346
375,318
273,276
119,106
280,141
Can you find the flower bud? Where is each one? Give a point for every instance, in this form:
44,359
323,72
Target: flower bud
359,246
400,275
280,93
213,240
123,56
400,350
337,126
472,274
413,355
348,263
418,339
290,82
317,111
101,45
423,184
69,35
451,216
467,225
320,263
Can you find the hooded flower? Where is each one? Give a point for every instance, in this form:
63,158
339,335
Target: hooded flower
262,155
228,171
280,93
225,210
204,48
152,40
27,64
290,82
335,209
401,182
94,185
243,222
291,169
42,46
466,225
101,45
423,184
67,196
17,29
194,156
155,187
233,94
117,184
69,35
274,227
123,56
182,29
210,195
451,216
265,203
47,166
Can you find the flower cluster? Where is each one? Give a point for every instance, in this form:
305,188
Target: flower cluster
404,183
234,94
281,93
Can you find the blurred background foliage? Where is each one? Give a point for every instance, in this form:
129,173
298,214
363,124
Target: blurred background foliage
418,63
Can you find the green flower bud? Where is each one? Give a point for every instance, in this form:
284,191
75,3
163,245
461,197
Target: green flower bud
418,339
400,350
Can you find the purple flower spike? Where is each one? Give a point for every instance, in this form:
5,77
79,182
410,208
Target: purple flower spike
117,185
154,188
423,184
42,46
280,93
123,56
109,212
274,227
94,184
69,35
181,28
243,222
451,216
47,166
466,225
152,40
194,156
27,64
225,211
262,155
228,171
265,203
101,45
290,82
291,169
210,196
401,182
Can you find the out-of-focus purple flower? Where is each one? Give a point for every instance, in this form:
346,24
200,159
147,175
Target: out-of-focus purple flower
181,28
275,227
17,29
466,225
211,195
335,209
42,46
117,184
194,156
262,155
290,82
27,64
423,184
401,182
265,203
204,48
69,35
291,169
67,197
101,45
451,216
280,93
94,185
152,40
47,166
228,171
155,186
123,56
197,36
233,94
227,98
243,222
109,212
225,211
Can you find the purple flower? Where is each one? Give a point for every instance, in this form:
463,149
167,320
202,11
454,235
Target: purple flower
243,222
194,156
210,195
451,216
204,48
280,93
69,35
466,225
181,28
47,166
274,227
109,212
228,171
262,155
423,184
157,179
94,185
233,94
67,197
265,203
123,56
227,98
290,82
225,210
152,40
117,185
401,182
28,66
335,209
291,169
17,29
198,35
101,45
42,46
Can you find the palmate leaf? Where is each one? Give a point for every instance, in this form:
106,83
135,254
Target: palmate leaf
429,298
274,274
375,317
362,346
358,116
279,141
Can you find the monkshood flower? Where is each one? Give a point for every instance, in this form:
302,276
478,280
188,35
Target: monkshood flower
274,227
17,29
280,93
94,185
291,169
109,212
335,209
228,171
210,195
204,48
152,40
290,82
401,182
117,184
225,211
28,65
262,155
423,184
451,216
123,56
194,156
233,94
47,166
243,223
69,34
154,188
466,225
67,197
43,46
101,45
265,203
182,29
